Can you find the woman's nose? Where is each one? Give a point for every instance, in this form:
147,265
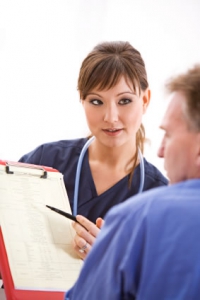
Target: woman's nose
111,114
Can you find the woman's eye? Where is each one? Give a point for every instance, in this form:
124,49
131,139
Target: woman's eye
124,101
96,102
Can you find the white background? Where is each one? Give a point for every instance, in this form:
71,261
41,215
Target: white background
42,45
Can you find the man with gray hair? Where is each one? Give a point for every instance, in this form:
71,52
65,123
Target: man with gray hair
149,246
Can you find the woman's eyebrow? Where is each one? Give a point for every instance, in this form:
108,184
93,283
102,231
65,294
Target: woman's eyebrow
125,92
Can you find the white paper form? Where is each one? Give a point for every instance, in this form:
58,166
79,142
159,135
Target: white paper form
37,240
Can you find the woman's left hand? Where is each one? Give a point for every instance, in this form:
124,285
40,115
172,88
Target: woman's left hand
85,235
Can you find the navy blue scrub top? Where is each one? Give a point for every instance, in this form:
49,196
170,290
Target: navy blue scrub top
63,156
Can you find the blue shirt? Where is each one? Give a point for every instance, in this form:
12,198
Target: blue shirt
63,156
148,249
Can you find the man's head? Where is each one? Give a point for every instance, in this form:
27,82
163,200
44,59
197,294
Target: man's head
180,146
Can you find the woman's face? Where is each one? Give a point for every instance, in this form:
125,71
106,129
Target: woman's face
114,116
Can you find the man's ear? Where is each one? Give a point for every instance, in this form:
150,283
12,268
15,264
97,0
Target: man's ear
146,99
198,151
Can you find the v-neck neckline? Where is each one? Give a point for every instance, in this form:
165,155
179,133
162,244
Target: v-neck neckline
91,180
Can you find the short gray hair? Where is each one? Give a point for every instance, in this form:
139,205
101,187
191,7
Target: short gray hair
189,84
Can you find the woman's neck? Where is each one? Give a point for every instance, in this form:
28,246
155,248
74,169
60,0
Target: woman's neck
116,157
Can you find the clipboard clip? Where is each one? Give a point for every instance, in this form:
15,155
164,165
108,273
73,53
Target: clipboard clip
9,164
8,170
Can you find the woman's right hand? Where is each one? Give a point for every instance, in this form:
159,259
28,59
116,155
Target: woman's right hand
85,235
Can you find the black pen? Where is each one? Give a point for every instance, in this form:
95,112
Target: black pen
63,213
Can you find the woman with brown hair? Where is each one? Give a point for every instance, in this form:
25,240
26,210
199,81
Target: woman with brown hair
115,94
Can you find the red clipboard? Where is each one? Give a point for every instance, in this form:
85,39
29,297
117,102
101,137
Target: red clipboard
10,291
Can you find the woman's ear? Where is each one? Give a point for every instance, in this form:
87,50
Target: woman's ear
146,96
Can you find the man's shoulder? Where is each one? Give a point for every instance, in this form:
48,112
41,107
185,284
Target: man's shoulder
159,200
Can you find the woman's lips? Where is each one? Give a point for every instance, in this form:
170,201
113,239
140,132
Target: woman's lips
112,132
